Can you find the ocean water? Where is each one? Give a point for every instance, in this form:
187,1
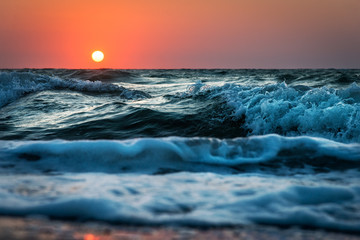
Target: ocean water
195,148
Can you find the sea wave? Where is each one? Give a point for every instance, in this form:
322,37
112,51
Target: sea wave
174,154
14,85
238,147
290,111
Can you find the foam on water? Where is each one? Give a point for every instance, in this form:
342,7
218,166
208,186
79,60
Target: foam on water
14,85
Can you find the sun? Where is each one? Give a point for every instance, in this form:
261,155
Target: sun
97,56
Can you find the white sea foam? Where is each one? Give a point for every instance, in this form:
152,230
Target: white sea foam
278,108
14,85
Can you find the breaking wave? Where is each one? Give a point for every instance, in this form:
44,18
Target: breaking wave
290,111
163,155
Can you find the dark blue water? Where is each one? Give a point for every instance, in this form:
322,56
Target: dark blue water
186,147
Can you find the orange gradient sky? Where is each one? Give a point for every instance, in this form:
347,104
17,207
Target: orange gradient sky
180,34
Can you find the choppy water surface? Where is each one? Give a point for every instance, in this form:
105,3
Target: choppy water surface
186,147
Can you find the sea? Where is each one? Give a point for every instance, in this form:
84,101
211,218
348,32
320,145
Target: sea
182,147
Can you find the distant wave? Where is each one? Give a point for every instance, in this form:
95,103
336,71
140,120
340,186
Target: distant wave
162,155
14,85
98,74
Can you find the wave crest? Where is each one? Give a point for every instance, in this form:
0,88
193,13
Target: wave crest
290,111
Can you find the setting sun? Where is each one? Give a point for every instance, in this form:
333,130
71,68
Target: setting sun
97,56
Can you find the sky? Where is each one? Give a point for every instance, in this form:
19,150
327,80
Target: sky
180,33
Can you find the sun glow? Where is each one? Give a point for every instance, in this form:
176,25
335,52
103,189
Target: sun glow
97,56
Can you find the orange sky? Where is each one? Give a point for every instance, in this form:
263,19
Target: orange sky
180,34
